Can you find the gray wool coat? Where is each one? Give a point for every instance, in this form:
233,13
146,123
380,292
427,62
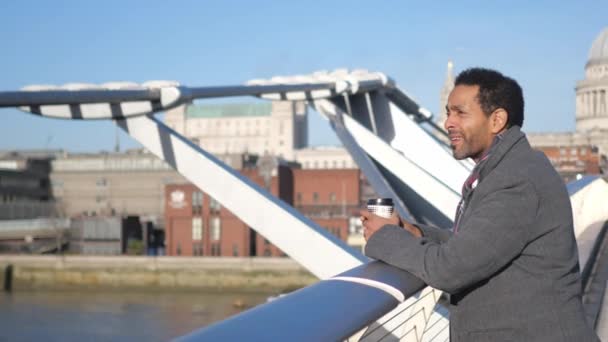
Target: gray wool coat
512,269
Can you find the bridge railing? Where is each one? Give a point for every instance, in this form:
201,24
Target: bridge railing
334,309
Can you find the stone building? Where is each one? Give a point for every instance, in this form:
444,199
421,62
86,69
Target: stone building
276,128
591,107
448,86
324,157
107,184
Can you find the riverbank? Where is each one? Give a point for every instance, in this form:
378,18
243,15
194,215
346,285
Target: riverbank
153,273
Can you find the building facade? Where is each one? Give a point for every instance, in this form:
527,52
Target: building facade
573,161
591,108
591,97
274,128
324,157
25,190
108,184
448,86
197,225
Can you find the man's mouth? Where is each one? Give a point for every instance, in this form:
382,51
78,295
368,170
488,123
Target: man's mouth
455,139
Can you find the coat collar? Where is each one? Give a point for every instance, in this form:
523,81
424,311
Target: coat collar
509,139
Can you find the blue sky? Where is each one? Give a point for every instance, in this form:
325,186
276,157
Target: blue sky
542,44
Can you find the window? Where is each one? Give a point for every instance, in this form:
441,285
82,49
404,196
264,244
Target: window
214,205
102,182
178,249
197,249
573,151
216,250
235,250
334,164
197,228
216,228
315,197
298,197
197,202
325,164
562,151
332,197
583,151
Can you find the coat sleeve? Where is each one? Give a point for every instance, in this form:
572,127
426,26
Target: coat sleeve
494,234
434,233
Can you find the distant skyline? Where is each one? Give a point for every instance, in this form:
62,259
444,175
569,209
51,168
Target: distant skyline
542,44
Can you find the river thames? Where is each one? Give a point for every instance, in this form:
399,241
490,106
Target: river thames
115,316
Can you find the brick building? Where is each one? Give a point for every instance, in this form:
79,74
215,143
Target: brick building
329,197
196,224
571,161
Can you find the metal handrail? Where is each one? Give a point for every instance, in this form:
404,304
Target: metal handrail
350,301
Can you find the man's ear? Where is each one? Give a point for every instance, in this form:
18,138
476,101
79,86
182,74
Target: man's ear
499,120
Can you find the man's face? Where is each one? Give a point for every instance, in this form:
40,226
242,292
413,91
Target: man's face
469,128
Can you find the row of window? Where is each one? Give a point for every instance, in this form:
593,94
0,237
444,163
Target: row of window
325,164
227,123
197,249
573,151
316,198
197,203
215,226
23,182
218,124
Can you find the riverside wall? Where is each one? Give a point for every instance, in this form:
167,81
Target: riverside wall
162,273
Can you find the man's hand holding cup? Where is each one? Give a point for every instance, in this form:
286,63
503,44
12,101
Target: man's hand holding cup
380,212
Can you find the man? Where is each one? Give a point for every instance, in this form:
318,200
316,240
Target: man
510,263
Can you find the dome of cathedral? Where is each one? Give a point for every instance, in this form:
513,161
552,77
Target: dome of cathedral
599,49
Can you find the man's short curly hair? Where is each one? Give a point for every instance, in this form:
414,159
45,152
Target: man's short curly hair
495,91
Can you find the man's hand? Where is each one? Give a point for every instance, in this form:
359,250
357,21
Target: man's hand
372,223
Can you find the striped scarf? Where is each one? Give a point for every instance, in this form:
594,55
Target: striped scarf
471,182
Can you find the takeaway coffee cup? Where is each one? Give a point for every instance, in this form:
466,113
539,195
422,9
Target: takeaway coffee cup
382,207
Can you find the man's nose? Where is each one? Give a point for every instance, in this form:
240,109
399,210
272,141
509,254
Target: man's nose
448,123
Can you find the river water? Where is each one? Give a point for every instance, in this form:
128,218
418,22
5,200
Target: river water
113,316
